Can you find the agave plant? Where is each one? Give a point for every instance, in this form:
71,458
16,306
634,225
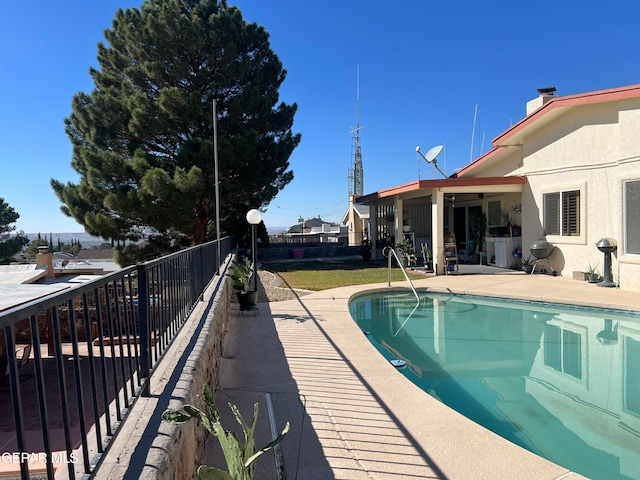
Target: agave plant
241,273
239,456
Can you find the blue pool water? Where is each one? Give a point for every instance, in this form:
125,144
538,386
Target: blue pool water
562,382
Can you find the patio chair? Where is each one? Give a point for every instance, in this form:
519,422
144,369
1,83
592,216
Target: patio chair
451,260
466,255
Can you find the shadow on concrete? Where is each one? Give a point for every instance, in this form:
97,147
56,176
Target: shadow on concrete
344,396
254,367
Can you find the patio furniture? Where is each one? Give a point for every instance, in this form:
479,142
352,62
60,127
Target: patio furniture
451,260
466,255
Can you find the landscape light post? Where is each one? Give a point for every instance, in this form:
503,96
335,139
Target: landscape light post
254,217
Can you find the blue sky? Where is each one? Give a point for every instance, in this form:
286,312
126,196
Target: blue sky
424,66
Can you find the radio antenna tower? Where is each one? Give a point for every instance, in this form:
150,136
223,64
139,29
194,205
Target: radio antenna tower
356,172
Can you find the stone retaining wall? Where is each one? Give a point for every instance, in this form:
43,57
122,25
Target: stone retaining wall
186,450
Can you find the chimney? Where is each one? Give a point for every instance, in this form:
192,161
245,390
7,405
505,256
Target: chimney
44,259
545,94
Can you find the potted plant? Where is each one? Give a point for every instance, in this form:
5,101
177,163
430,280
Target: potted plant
592,274
528,264
426,257
241,274
477,227
240,457
407,254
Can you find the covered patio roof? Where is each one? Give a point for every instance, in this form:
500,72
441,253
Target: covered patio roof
448,185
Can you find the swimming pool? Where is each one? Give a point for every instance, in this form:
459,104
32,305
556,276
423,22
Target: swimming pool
562,382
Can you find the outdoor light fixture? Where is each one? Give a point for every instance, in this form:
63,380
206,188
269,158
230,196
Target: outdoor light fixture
254,217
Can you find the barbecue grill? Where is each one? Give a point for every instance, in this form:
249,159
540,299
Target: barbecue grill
607,246
541,249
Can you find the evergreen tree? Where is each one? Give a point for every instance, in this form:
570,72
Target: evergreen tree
32,250
143,138
9,245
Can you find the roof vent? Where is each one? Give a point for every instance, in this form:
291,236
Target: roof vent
546,90
546,94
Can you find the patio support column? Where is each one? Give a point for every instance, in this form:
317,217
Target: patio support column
437,230
397,224
373,230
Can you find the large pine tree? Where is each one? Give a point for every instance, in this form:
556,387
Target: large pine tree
143,138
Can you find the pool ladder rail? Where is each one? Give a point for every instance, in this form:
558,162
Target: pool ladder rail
389,252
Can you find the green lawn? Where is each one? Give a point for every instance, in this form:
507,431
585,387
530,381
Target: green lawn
316,275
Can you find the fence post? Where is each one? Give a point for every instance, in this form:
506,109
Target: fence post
145,334
16,398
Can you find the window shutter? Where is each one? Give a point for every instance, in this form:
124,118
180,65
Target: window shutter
571,213
552,213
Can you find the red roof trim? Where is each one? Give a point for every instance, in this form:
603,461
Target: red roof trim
588,98
441,183
478,161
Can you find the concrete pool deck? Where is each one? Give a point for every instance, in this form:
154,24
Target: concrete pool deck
353,416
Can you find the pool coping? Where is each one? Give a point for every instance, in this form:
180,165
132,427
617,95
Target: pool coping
448,444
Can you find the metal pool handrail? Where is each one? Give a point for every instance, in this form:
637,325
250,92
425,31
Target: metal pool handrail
389,249
389,252
407,319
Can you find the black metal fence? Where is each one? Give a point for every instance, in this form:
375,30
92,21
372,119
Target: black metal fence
74,362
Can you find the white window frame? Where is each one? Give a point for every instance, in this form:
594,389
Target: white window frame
567,239
625,217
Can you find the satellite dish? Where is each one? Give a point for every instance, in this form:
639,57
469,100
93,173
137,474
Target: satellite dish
430,157
433,153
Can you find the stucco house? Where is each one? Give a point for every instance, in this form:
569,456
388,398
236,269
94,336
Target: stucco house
567,173
315,230
356,218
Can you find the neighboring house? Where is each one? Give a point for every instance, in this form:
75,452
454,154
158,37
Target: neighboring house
102,258
50,273
569,173
316,230
356,219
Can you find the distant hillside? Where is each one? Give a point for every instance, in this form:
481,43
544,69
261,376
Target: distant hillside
86,240
276,230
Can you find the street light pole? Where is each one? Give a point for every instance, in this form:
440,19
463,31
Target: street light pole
254,217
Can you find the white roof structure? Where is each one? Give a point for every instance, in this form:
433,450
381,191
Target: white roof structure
19,274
